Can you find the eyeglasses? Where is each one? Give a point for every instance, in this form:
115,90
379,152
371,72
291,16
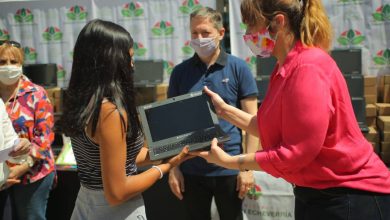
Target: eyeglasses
10,42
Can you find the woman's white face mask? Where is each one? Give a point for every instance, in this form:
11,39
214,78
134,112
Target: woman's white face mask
10,74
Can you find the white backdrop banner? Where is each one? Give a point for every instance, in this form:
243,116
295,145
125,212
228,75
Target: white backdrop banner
48,29
361,24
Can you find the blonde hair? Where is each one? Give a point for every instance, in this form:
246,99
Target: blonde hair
316,29
307,18
16,52
207,12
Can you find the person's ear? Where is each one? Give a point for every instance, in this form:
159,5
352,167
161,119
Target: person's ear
221,33
278,23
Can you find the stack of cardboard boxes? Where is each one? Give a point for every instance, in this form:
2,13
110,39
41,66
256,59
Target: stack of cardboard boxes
55,97
370,94
383,120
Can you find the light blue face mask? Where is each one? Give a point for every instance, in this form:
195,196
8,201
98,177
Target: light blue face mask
204,47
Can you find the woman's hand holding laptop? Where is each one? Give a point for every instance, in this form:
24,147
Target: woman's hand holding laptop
169,163
178,159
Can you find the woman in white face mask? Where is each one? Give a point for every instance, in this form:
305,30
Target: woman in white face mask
31,114
10,69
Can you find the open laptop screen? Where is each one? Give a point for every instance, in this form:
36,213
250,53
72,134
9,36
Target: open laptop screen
178,118
171,124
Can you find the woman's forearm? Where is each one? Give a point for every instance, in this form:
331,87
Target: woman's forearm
143,158
245,162
241,119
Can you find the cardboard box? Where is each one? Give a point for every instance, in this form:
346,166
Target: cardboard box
380,84
385,146
145,95
383,108
386,93
370,81
370,110
385,157
375,146
372,135
371,121
55,96
161,92
384,123
371,90
383,80
385,136
371,99
386,79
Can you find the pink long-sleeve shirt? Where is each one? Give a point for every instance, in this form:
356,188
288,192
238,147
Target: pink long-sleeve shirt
308,129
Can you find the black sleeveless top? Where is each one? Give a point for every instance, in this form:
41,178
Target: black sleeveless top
87,154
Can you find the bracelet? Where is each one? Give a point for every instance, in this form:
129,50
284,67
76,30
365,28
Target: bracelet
240,162
159,170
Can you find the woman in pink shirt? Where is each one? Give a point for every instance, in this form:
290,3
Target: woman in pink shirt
306,124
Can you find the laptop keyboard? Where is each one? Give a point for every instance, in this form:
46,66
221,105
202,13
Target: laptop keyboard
191,140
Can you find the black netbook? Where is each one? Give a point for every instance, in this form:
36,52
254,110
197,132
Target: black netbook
171,124
265,66
148,73
42,74
348,60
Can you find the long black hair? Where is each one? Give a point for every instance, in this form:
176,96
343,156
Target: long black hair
101,69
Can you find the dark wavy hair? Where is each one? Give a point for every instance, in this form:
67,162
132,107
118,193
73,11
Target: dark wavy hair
101,69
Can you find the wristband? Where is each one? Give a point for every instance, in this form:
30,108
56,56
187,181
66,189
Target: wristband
159,170
240,162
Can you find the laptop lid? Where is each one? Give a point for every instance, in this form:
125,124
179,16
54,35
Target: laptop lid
355,84
348,60
359,108
42,74
148,72
262,85
171,124
265,66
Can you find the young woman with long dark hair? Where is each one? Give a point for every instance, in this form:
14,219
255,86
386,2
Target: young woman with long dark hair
100,117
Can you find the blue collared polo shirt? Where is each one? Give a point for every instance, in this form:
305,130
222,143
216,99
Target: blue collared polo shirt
232,79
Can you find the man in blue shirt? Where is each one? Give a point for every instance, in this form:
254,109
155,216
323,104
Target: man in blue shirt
196,182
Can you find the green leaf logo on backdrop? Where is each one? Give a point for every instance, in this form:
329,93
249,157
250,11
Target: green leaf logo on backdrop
132,9
77,13
24,15
351,38
168,67
139,49
382,58
4,34
187,49
382,13
189,6
60,72
251,62
254,193
52,34
30,53
162,28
